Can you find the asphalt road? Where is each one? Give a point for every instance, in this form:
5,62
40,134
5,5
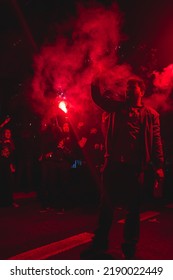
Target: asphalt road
27,233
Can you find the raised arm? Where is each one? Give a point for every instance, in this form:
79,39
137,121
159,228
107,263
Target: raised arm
103,101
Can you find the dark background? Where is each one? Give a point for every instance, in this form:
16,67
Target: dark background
25,25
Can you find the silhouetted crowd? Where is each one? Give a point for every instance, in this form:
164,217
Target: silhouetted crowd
62,165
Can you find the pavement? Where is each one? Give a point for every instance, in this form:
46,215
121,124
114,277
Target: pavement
28,233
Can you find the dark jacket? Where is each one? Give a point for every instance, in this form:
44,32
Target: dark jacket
151,144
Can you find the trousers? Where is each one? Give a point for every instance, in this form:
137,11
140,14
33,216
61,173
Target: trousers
120,186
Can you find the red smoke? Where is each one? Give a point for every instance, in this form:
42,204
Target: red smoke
161,99
70,64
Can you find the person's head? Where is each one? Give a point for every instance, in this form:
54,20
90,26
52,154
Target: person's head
135,90
7,133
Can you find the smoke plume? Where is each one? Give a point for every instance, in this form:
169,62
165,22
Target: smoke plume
161,99
67,67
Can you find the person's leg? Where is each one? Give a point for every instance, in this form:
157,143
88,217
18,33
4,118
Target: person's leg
106,210
99,245
58,198
131,233
43,187
100,240
132,222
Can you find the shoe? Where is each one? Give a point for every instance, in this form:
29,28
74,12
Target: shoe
95,255
92,254
97,250
128,251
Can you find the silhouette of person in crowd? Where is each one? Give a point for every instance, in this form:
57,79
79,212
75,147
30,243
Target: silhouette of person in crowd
7,139
82,137
55,162
7,169
69,137
63,159
95,146
133,141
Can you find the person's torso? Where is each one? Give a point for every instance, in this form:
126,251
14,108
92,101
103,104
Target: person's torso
126,140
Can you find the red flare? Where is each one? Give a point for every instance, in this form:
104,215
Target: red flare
62,106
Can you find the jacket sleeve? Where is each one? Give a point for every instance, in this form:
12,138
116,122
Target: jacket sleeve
157,150
106,103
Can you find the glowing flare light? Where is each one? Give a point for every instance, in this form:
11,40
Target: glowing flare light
62,106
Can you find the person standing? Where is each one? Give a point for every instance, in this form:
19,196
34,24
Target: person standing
7,169
133,140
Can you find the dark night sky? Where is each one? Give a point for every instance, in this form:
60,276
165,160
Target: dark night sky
147,24
144,21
